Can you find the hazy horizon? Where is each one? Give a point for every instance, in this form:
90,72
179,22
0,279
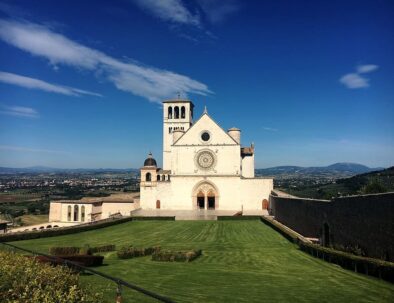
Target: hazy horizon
309,83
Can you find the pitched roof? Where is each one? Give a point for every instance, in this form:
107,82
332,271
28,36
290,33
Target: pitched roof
195,123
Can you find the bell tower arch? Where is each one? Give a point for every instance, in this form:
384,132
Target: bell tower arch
177,115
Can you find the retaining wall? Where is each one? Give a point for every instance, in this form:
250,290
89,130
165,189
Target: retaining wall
358,223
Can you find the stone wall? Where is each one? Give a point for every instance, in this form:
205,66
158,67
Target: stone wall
364,223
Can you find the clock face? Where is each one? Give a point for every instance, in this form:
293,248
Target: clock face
205,159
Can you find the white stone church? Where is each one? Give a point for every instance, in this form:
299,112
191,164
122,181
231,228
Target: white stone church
204,167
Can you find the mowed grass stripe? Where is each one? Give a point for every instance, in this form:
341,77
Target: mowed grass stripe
243,261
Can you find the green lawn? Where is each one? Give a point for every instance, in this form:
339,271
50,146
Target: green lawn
243,261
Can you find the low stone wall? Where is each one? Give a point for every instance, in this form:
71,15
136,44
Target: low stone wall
364,224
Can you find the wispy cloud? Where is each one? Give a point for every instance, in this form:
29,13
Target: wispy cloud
356,80
218,10
28,149
362,69
270,129
33,83
169,10
19,111
130,76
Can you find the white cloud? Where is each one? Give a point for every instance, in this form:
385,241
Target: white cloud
19,111
169,10
33,83
151,83
218,10
354,81
362,69
28,149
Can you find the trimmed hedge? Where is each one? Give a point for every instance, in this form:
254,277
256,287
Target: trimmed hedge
83,260
9,237
103,248
132,252
64,251
176,256
225,218
86,250
164,218
369,266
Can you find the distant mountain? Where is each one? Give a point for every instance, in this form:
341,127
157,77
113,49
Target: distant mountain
337,170
366,183
45,169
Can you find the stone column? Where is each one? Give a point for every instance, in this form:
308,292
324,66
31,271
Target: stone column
206,202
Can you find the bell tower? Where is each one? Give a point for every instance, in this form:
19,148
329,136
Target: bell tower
177,115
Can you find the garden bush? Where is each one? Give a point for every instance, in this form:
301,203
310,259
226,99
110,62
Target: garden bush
25,280
64,251
9,237
85,250
238,217
177,256
128,252
153,218
103,248
85,260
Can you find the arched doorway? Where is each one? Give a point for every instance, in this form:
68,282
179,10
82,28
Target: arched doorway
200,200
265,204
158,204
205,196
211,200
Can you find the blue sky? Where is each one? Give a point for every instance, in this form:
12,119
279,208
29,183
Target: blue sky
309,82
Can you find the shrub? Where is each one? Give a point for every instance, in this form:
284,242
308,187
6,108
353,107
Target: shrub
26,280
9,237
163,218
103,248
132,252
64,251
85,260
238,217
177,256
86,250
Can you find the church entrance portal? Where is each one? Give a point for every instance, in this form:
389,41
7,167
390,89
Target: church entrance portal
200,202
205,196
211,202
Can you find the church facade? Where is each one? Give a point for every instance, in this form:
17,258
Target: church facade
204,166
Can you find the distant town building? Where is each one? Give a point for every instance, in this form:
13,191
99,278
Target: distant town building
92,209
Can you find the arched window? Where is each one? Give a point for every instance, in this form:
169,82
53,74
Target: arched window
168,178
158,177
75,212
170,112
148,177
83,213
69,213
176,112
183,112
163,177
